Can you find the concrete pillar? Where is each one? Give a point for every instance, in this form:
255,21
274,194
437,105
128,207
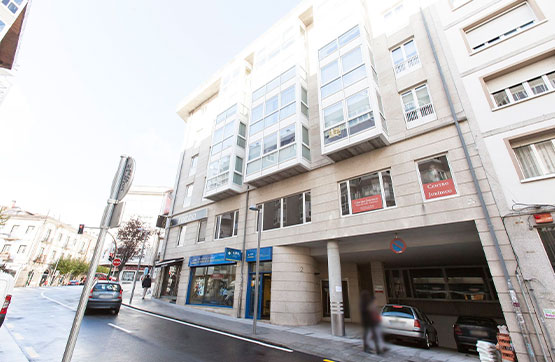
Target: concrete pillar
379,282
336,292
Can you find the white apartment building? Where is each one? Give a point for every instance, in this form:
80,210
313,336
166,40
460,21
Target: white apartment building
145,203
31,243
352,126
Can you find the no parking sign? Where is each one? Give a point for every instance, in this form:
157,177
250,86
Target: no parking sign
398,245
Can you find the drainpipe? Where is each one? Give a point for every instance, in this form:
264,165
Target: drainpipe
515,303
244,254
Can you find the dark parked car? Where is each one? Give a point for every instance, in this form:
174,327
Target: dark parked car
408,323
469,330
105,295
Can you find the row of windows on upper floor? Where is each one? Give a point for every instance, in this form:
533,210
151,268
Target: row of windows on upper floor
369,192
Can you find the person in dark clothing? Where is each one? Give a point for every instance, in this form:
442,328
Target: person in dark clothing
147,282
371,320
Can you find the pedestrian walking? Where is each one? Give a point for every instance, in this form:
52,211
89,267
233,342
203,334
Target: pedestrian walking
372,339
147,282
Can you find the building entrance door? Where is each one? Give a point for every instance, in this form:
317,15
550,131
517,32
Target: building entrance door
170,281
264,290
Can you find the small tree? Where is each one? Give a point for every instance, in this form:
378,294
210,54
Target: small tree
102,269
131,236
3,216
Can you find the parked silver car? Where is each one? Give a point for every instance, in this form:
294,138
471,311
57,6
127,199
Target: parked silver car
105,295
408,323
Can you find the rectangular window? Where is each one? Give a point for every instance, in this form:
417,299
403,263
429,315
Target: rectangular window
21,249
537,159
188,195
254,150
418,106
548,239
270,143
405,58
193,165
287,135
201,235
366,193
333,114
506,24
271,105
6,248
226,225
287,211
287,96
351,60
212,285
436,178
15,229
257,112
182,235
30,229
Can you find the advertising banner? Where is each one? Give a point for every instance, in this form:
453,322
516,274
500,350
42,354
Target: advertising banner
433,190
367,204
208,259
233,254
265,254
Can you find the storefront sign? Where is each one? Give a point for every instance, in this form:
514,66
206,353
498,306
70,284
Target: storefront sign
189,217
549,313
233,254
398,245
367,203
544,218
265,254
208,259
433,190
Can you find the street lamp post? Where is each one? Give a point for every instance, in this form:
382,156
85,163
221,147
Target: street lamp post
256,277
138,267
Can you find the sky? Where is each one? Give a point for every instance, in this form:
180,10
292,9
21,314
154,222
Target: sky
98,79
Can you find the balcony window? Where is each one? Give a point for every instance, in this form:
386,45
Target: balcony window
286,211
352,70
351,60
333,114
218,173
271,105
405,58
436,178
537,159
254,150
418,106
227,225
270,143
367,193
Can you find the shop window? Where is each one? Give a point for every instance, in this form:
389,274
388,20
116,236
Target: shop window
201,236
548,240
127,275
536,159
369,192
436,178
212,285
502,26
287,211
226,225
466,284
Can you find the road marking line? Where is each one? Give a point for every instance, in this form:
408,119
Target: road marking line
55,301
213,330
118,327
18,336
31,352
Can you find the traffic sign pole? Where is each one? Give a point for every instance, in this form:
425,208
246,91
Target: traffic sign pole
120,186
138,269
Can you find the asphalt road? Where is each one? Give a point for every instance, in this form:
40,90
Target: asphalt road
40,319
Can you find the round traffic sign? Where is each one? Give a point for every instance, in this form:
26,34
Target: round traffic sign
116,262
398,245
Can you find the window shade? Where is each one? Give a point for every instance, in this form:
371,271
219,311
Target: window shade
521,75
495,27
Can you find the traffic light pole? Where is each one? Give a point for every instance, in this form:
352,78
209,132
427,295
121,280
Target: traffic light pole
119,183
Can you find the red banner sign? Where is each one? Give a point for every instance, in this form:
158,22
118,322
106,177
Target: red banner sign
437,189
367,204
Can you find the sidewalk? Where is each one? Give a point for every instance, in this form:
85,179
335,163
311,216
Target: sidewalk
9,350
315,340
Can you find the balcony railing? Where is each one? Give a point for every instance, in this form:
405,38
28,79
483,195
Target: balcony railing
418,113
407,64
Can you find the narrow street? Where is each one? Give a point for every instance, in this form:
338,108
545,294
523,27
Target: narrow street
39,320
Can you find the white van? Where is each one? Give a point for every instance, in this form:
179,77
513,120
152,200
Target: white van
6,290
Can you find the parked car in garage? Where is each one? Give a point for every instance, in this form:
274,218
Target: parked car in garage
404,322
6,288
469,330
105,295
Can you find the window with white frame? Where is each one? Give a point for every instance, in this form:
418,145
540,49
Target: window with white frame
536,159
30,229
201,234
223,136
15,230
2,25
348,117
306,144
417,106
6,248
12,5
286,211
21,249
365,193
188,195
405,58
436,178
539,85
338,43
342,72
181,236
504,25
227,225
193,165
47,235
218,173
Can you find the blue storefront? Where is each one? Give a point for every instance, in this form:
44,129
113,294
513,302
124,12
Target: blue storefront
212,280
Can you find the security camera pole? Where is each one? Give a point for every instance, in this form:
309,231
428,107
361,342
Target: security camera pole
120,186
256,280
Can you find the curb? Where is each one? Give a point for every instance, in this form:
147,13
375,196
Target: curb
216,329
